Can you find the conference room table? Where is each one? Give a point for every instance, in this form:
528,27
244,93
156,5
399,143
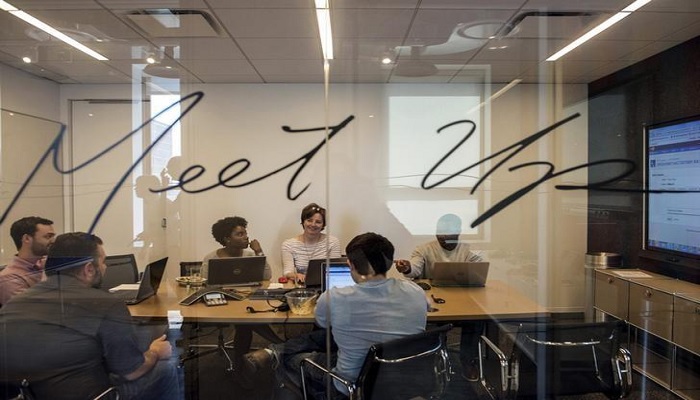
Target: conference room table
495,301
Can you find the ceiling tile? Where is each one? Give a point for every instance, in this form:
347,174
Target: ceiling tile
218,67
281,48
366,23
288,67
269,23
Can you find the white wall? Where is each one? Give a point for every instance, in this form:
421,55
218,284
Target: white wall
536,244
28,125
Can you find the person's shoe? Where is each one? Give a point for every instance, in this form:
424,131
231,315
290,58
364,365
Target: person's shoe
256,361
471,372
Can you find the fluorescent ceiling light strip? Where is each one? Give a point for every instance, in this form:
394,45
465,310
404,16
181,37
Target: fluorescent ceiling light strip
588,35
7,6
323,16
598,29
635,6
495,95
50,30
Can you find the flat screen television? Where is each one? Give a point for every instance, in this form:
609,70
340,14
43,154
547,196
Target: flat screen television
672,220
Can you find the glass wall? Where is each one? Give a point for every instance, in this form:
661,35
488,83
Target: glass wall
455,141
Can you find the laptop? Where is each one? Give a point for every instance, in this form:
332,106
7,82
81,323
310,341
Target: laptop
148,287
460,273
338,275
315,271
241,271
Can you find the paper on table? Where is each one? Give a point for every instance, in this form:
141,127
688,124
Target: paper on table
632,274
125,286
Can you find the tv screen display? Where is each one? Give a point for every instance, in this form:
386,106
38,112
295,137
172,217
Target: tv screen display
673,164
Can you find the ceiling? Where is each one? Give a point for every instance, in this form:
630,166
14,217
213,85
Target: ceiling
276,41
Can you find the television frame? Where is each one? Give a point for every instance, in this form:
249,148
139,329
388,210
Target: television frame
674,262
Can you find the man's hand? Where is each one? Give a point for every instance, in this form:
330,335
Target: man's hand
161,347
403,266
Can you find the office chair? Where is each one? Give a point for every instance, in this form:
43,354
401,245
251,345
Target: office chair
221,346
120,269
25,392
415,366
545,360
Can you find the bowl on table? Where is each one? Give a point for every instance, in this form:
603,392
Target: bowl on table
190,280
302,301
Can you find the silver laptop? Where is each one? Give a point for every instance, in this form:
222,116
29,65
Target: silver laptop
241,271
460,273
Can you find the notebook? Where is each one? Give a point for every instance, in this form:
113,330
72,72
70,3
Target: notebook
150,282
315,271
236,270
338,276
460,273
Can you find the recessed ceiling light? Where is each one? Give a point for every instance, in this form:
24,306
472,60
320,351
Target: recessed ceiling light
150,60
27,60
386,60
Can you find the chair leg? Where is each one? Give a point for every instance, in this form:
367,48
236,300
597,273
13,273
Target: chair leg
220,346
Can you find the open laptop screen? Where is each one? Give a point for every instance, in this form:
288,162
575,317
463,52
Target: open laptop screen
339,275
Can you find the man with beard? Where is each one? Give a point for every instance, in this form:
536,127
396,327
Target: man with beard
448,247
32,236
82,338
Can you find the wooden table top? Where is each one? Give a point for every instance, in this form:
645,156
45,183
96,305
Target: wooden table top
497,300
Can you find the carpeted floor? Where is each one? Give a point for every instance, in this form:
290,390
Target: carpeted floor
206,377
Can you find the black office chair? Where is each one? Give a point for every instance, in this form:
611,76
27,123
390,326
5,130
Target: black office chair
414,366
544,360
24,392
120,269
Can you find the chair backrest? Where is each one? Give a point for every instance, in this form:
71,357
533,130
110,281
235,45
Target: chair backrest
408,367
120,269
564,359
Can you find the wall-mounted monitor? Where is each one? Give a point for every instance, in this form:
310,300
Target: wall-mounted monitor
672,223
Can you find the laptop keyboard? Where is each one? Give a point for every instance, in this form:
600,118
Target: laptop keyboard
268,294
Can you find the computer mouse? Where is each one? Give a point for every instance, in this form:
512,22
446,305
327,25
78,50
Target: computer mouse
423,285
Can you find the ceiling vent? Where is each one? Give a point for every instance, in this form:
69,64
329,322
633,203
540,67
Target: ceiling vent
174,23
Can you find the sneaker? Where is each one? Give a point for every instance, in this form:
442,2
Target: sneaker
256,361
471,372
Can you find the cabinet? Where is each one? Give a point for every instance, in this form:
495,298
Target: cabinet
663,317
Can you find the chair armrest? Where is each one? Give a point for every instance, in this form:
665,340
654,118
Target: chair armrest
623,366
108,392
348,385
502,360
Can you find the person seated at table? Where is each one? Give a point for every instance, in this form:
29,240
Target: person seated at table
232,233
376,309
448,247
309,245
32,236
71,340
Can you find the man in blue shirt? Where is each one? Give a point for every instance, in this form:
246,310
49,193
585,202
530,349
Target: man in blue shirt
375,309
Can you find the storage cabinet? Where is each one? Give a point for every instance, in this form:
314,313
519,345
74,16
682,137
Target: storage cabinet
664,324
612,295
